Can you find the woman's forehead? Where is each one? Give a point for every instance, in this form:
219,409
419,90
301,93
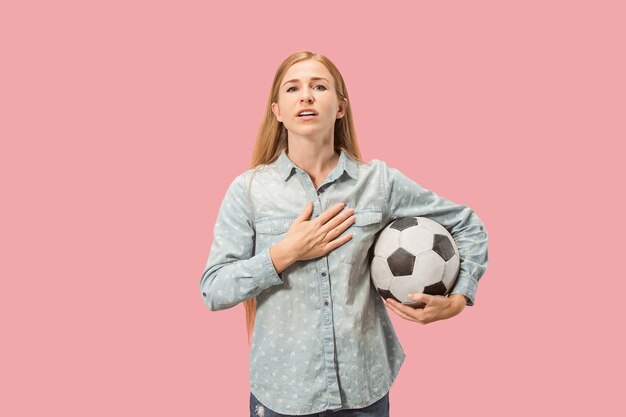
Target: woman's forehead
304,70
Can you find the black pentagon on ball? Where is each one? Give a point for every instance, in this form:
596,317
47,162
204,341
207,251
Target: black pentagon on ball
401,262
436,289
386,294
443,247
403,223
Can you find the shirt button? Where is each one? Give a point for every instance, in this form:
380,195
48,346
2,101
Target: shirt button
204,294
325,303
323,274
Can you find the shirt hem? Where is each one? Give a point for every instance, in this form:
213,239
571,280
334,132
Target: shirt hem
367,403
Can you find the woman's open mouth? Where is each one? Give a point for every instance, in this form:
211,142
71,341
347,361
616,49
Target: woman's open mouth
307,115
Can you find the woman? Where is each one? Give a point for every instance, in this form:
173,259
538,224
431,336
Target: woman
291,241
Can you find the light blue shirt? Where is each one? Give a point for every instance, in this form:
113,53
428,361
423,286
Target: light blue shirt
323,339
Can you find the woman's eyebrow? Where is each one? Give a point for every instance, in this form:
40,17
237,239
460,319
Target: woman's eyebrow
312,79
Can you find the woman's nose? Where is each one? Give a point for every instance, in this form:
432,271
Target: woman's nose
306,96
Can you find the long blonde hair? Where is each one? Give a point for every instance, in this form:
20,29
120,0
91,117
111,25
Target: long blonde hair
271,138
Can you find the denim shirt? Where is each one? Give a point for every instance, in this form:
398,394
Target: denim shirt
322,338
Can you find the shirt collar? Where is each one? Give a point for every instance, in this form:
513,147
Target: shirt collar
346,163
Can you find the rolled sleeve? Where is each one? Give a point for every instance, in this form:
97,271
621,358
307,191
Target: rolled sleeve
232,273
408,199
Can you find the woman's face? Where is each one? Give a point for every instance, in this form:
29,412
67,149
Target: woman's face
308,85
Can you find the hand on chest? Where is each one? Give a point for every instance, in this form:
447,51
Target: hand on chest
276,208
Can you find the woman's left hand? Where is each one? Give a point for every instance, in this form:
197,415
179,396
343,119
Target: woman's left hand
437,307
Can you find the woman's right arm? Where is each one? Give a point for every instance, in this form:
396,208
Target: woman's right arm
232,273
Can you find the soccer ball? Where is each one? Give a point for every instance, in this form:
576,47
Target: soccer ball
414,255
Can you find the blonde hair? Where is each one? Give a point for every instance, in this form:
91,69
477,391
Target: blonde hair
272,136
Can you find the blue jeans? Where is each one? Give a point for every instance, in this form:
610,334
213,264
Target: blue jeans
379,409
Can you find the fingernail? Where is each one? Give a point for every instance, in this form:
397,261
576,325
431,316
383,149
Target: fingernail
411,295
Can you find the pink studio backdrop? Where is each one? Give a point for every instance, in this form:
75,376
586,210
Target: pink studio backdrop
122,123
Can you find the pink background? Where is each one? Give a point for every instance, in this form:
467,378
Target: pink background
122,123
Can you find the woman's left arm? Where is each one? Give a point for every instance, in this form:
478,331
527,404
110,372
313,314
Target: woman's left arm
407,199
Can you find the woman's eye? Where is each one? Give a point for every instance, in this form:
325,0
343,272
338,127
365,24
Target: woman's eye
319,87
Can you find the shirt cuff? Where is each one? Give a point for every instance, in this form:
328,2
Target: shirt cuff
465,285
268,275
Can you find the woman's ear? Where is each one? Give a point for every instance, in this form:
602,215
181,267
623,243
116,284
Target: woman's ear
276,111
341,111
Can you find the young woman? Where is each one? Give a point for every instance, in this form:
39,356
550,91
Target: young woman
291,242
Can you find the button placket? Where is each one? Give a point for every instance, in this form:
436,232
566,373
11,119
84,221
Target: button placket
324,280
325,293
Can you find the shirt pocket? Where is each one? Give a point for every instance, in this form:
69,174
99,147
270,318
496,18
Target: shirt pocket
368,222
367,217
271,230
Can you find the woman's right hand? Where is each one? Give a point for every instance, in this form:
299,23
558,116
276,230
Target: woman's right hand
309,239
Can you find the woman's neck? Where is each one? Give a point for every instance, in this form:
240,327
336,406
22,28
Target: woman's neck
315,158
